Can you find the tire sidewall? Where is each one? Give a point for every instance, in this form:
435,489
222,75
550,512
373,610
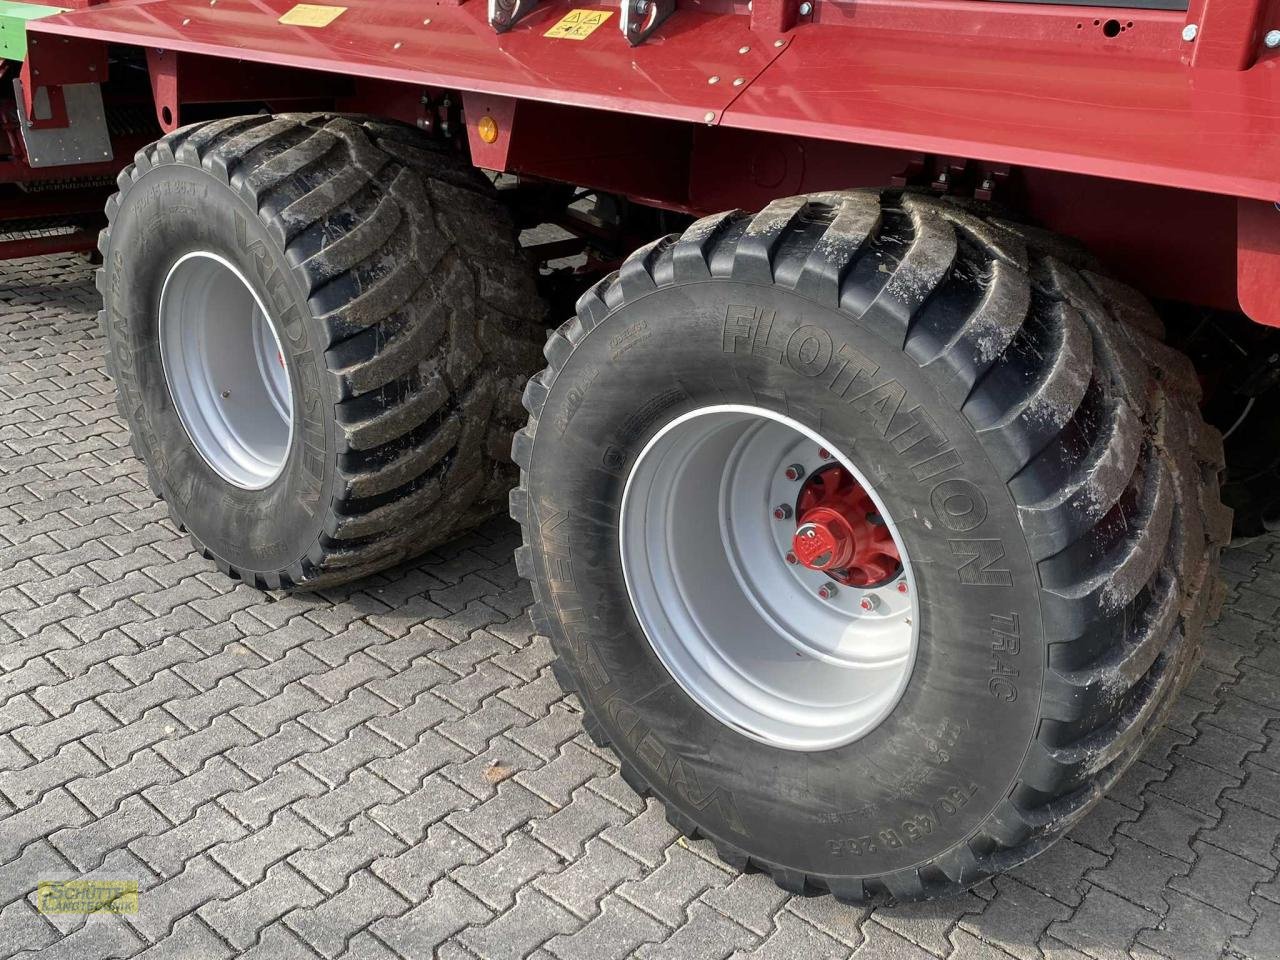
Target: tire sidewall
173,209
933,771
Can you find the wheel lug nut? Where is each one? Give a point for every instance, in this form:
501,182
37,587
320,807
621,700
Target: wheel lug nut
791,557
794,472
827,591
824,453
902,586
782,512
869,602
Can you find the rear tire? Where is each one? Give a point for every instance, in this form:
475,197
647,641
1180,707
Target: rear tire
1050,476
403,311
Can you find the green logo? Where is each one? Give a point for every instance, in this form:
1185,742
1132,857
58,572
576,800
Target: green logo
87,896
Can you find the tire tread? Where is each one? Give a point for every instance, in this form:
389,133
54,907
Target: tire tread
1111,425
360,207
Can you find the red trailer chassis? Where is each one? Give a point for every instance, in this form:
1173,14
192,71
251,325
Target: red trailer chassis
1153,135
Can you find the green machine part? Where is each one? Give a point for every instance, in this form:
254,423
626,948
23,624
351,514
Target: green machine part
13,26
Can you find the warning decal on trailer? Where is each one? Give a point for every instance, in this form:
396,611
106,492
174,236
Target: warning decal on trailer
312,15
578,24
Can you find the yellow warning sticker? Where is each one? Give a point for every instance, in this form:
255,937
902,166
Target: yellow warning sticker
312,15
578,24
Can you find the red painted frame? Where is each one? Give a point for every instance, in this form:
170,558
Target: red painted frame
851,92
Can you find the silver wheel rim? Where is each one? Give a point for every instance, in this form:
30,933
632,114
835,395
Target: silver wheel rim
224,365
742,631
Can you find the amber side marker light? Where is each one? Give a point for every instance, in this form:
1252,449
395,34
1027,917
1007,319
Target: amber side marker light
488,129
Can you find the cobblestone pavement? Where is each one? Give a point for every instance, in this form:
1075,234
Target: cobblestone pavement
391,770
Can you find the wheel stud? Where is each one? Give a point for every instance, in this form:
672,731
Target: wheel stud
794,472
827,591
782,512
869,602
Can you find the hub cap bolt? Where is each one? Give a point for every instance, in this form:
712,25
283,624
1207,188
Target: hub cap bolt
794,472
869,602
782,512
827,591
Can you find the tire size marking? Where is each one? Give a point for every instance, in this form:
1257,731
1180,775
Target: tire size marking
627,338
909,831
810,351
1006,644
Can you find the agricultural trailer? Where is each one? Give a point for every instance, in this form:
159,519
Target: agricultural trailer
869,494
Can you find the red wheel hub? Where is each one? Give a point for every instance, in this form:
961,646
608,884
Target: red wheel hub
840,532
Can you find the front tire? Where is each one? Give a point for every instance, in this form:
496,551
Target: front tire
317,326
1046,471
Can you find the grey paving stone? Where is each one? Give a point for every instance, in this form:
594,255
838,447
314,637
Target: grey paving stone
314,776
667,891
489,823
1192,930
705,933
1016,920
240,919
615,933
24,787
1247,833
1102,923
169,906
414,871
792,937
180,799
496,879
881,943
105,936
39,859
1059,872
328,926
587,880
1139,873
168,852
1263,939
1260,790
751,900
332,865
278,942
22,928
517,932
255,805
1221,879
88,845
249,858
1167,826
448,910
928,924
409,817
